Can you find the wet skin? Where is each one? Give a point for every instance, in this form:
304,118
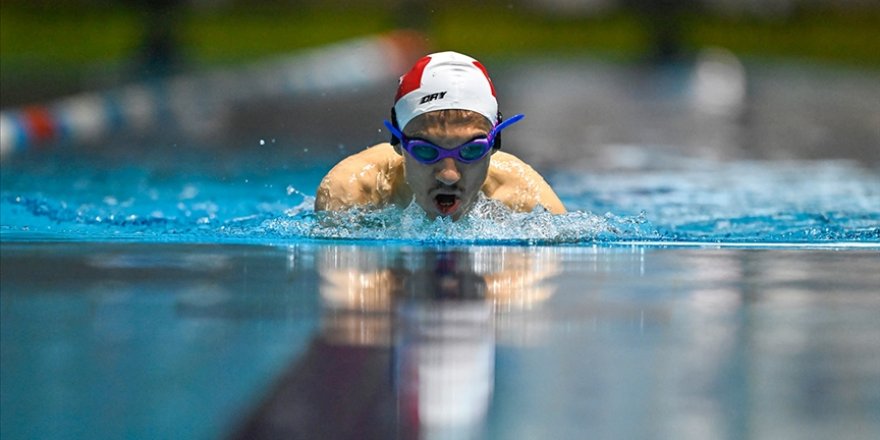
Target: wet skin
386,175
447,187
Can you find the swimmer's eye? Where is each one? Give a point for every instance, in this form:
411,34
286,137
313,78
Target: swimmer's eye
424,152
473,151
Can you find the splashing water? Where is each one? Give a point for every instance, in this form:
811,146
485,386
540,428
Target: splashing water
488,221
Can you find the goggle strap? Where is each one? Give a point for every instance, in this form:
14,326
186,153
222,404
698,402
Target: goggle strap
507,123
394,130
495,131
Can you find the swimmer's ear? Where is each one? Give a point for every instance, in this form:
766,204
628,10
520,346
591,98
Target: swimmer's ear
395,141
497,144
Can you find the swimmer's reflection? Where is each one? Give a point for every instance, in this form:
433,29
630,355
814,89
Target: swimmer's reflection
443,349
428,319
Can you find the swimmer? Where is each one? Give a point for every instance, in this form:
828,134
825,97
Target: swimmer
444,150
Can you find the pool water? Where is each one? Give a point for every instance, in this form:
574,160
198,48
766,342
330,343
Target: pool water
336,340
211,302
174,290
754,202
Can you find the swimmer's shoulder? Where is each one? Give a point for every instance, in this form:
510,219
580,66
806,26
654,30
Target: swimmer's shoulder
365,178
367,160
517,185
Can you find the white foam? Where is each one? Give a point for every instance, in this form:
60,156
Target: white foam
488,221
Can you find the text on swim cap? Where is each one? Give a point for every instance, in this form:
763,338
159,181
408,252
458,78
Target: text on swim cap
432,97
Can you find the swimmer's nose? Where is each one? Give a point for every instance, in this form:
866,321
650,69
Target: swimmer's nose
448,173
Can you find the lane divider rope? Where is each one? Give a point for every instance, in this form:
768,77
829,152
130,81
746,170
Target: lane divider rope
187,101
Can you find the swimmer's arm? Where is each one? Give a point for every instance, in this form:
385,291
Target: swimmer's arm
516,184
358,180
544,195
548,199
340,189
526,199
331,196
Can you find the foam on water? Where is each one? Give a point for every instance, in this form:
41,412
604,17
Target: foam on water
488,222
713,203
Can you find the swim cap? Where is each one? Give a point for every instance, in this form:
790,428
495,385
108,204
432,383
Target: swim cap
442,81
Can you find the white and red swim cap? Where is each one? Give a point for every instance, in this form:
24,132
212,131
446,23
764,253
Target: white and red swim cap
442,81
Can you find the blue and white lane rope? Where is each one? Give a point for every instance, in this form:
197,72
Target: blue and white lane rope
186,100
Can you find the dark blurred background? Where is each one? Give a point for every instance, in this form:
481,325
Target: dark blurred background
646,51
51,47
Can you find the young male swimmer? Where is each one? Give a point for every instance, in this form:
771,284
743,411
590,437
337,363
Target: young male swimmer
446,154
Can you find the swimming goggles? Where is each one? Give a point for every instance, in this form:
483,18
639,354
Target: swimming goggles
471,151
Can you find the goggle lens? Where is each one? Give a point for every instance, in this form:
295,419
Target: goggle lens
424,152
473,150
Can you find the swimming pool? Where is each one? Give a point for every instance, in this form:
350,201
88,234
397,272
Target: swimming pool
707,293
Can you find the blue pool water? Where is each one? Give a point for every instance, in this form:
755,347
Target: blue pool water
203,201
335,340
205,299
709,292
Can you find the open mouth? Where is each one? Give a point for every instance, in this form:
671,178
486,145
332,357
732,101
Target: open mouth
446,203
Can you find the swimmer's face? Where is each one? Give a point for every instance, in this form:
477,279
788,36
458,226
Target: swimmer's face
447,187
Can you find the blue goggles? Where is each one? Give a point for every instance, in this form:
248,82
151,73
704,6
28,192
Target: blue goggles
471,151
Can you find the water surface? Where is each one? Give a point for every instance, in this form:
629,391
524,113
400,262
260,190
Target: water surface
395,341
716,276
702,201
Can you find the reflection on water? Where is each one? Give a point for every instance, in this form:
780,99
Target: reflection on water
440,310
429,316
327,340
444,365
505,342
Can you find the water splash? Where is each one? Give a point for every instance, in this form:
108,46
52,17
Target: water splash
488,222
199,220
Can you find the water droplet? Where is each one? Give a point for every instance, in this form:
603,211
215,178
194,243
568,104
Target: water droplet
262,142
